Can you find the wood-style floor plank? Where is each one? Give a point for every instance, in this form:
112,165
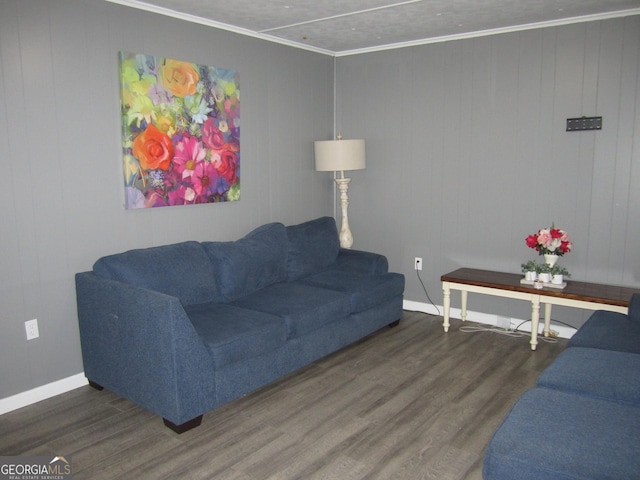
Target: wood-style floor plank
410,402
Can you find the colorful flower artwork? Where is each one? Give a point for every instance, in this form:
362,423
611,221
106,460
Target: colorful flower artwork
181,132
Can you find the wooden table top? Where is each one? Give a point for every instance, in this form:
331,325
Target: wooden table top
589,292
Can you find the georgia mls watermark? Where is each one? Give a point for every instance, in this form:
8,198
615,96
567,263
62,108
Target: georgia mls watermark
35,468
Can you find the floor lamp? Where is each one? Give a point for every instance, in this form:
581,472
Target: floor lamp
337,156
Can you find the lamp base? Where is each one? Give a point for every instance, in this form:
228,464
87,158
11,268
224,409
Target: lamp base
346,238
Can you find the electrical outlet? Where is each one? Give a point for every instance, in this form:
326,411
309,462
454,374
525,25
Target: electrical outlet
417,263
31,327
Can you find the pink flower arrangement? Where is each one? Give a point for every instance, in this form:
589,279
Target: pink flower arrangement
550,241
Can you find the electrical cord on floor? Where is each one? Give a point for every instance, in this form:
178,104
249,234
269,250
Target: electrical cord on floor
427,294
515,332
508,333
556,321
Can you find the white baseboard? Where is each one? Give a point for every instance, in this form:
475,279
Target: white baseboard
42,393
563,331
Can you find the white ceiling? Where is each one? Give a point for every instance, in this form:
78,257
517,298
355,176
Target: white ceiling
342,27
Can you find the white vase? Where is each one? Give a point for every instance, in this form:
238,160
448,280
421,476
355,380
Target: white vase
530,276
544,277
550,259
557,279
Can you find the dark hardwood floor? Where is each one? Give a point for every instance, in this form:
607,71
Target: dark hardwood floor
409,402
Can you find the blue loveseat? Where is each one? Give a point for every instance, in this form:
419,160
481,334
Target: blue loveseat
182,329
582,419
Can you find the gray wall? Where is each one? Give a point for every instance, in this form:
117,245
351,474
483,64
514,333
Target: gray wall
62,195
467,154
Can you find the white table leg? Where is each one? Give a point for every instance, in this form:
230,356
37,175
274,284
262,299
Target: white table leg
463,305
535,320
547,319
446,303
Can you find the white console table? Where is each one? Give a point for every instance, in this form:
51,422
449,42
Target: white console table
590,296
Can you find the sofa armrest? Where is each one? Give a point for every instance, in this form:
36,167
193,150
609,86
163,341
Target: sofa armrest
634,307
141,345
360,261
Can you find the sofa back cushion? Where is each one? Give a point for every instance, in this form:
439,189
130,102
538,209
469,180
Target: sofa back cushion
249,264
313,247
181,270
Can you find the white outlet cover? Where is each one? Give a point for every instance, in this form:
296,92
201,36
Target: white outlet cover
31,328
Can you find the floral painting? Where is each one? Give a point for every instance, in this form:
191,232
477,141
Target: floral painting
181,132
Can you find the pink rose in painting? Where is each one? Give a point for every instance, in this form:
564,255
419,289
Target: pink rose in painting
227,166
211,135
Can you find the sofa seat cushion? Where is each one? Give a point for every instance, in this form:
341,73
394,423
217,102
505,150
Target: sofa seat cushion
249,264
365,291
609,331
233,334
303,308
597,373
181,270
551,435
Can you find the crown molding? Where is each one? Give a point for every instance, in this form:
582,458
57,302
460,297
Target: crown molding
137,4
494,31
212,23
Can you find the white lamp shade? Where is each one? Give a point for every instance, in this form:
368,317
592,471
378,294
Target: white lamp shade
339,155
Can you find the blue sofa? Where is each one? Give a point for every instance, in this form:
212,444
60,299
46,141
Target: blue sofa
582,419
182,329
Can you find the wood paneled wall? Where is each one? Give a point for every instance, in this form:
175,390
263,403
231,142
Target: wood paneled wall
467,153
62,194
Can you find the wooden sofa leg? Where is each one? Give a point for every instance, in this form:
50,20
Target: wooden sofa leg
183,427
95,385
394,324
